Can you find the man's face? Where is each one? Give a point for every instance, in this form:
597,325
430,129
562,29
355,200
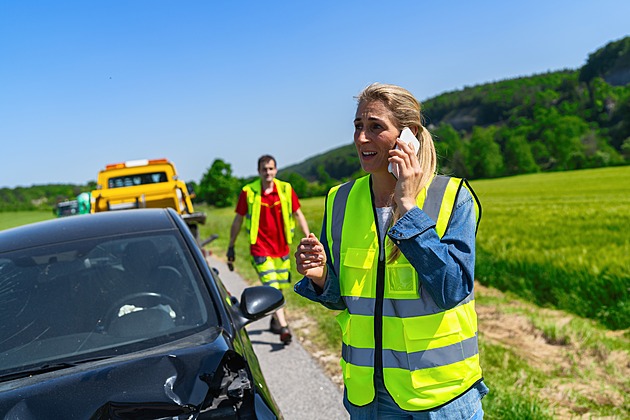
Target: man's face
267,171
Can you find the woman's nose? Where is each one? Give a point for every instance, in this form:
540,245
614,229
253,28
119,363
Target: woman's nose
359,136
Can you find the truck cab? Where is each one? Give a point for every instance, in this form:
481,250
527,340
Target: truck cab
146,183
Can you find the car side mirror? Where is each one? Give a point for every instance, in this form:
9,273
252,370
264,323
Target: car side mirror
260,301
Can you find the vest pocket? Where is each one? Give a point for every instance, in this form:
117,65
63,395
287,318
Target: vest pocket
436,330
357,272
434,350
401,281
443,376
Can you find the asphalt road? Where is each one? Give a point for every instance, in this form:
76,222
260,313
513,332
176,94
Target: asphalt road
300,387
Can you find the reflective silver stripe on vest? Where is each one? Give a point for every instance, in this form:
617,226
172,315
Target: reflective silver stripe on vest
270,282
338,214
413,361
273,270
431,358
435,195
357,356
399,308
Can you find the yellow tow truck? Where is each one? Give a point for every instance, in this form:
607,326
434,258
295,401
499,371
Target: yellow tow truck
146,183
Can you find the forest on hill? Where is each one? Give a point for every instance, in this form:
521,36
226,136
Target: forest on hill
556,121
562,120
40,197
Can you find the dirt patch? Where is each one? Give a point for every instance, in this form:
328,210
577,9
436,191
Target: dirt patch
516,332
579,373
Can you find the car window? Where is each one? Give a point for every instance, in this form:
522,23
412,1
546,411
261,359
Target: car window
98,297
136,179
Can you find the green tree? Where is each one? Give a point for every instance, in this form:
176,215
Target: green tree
326,181
299,184
600,62
563,137
625,149
542,157
619,129
218,187
451,151
485,157
518,156
193,189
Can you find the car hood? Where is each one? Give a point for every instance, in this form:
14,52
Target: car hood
192,377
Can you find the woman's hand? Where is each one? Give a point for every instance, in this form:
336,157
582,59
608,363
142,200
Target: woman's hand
409,175
310,259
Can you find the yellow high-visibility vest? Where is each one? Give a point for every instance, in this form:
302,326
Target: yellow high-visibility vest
429,356
254,200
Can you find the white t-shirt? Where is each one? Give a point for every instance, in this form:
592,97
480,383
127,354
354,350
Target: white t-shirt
384,216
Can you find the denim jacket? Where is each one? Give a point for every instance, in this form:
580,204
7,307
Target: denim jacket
445,266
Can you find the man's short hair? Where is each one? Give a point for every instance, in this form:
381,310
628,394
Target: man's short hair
266,158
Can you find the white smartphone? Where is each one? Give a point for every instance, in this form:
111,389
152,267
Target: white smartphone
407,136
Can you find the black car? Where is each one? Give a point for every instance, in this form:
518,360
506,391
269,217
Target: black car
118,315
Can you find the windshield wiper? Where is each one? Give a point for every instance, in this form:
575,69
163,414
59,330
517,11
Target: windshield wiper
48,367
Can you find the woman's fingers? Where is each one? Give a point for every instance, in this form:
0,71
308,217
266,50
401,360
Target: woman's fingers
401,155
409,175
405,158
309,254
310,259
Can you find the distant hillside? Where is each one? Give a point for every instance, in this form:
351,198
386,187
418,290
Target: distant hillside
39,196
562,120
337,163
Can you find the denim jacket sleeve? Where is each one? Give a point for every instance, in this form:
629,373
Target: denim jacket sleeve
445,266
330,296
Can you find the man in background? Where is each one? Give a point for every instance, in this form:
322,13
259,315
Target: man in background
270,208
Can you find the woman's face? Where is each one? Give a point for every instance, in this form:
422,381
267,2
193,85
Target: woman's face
374,135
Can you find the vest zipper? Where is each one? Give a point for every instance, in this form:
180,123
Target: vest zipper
378,317
378,305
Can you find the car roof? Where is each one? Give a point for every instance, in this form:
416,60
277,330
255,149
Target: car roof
83,226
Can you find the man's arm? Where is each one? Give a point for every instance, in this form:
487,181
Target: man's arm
299,216
234,231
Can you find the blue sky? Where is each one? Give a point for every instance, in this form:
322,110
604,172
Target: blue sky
92,82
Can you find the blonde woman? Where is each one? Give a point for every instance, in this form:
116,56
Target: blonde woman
397,257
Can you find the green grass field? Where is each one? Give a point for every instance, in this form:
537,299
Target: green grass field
17,218
560,240
554,240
